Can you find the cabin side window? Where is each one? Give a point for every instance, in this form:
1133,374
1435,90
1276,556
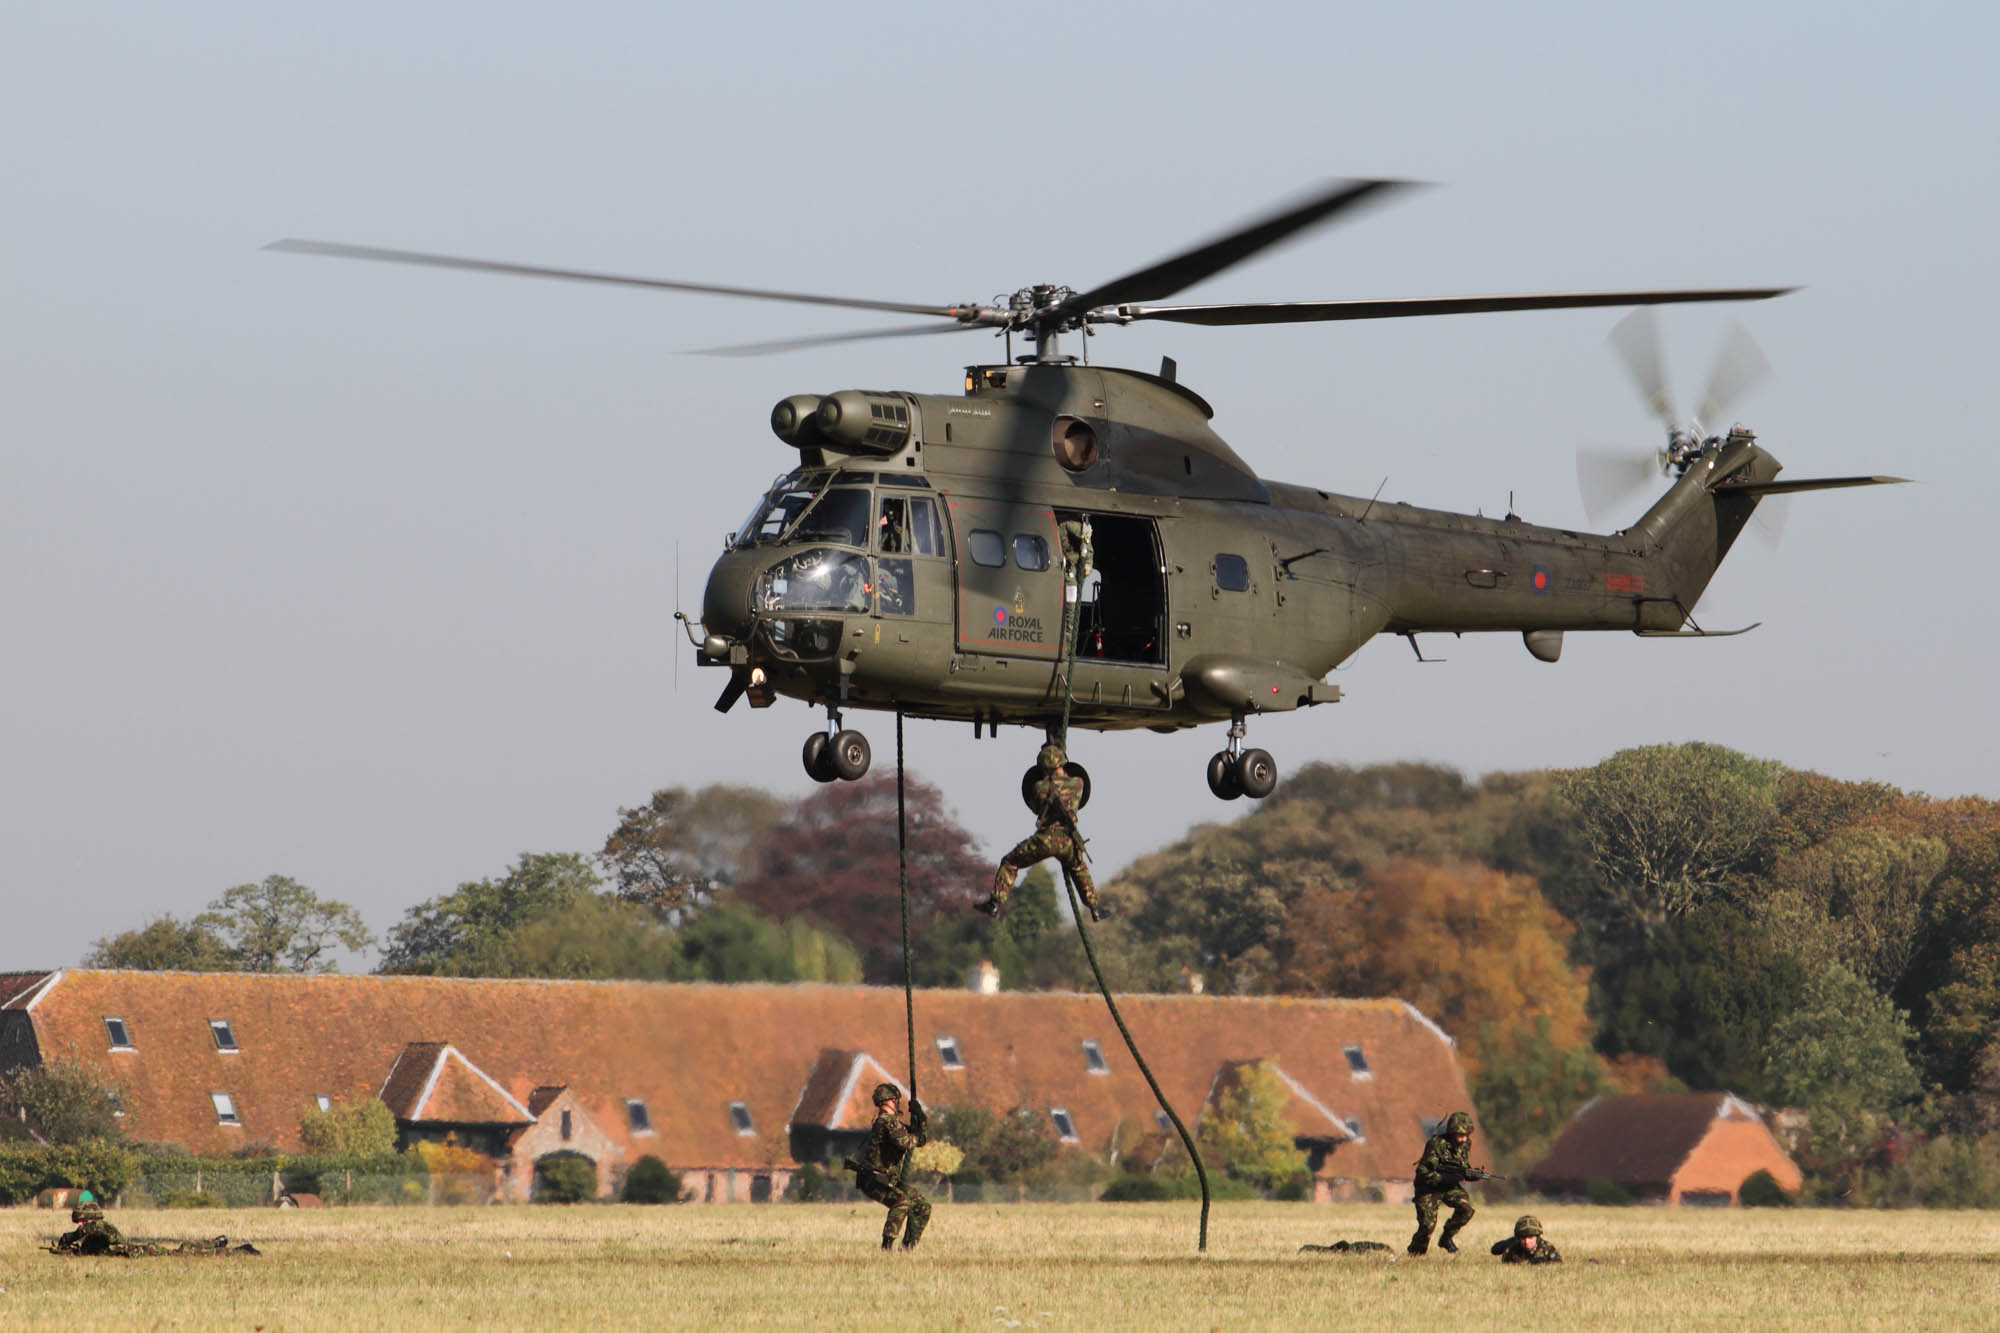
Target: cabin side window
1031,552
1232,573
986,547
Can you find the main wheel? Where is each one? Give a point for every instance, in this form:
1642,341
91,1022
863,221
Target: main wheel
1256,774
850,755
1223,777
818,758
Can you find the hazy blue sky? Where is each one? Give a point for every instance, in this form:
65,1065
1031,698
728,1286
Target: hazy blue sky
365,574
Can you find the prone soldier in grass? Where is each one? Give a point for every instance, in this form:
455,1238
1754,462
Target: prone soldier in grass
1527,1245
880,1172
1440,1180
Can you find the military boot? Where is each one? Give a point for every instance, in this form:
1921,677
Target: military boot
1445,1241
991,907
1420,1243
888,1243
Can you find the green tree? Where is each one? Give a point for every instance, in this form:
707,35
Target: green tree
1669,828
1845,1047
1017,1144
164,944
1245,1132
451,935
679,849
1528,1089
594,938
279,925
733,942
1702,1000
61,1101
650,1181
946,954
364,1128
1856,898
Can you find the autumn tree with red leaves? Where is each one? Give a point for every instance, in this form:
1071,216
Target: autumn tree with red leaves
833,861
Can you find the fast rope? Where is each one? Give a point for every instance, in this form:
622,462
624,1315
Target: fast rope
903,891
1073,594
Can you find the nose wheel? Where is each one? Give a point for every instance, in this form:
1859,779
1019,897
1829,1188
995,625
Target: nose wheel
1234,771
836,754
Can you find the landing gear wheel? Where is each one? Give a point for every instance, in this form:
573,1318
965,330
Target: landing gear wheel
818,758
1072,768
1224,779
849,755
1256,774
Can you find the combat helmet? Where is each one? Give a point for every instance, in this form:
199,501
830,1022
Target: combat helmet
886,1093
1458,1122
1051,756
1527,1225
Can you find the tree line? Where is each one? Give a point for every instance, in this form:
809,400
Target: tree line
1678,916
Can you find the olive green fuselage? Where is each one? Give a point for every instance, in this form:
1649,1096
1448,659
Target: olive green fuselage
1217,594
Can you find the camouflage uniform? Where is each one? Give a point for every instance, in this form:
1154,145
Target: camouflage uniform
1512,1251
1056,795
1440,1180
879,1174
94,1234
1347,1247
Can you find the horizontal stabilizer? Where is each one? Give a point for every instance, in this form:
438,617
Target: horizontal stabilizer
1803,484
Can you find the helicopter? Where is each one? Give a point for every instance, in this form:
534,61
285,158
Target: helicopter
914,559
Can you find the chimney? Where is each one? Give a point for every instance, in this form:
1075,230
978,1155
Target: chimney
984,979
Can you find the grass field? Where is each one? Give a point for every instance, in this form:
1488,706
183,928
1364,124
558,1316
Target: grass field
1082,1266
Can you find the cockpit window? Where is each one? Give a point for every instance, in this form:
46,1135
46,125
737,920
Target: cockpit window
816,580
841,516
780,509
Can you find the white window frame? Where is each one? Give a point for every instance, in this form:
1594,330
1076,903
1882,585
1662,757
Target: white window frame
225,1109
1060,1116
949,1054
323,1102
218,1028
641,1123
1093,1058
123,1027
1352,1051
741,1120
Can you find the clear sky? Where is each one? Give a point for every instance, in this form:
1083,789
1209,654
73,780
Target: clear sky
365,574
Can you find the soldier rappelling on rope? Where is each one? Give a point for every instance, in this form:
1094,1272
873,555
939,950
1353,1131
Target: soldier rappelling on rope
1054,791
882,1173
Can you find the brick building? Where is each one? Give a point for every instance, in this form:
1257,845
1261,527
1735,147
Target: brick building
1693,1148
734,1086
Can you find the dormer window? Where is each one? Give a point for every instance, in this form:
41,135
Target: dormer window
1064,1125
739,1116
323,1102
225,1108
225,1037
1163,1120
114,1028
1354,1128
1093,1058
636,1116
1357,1062
948,1052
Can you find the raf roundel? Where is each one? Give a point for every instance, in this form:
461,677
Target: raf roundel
999,615
1539,580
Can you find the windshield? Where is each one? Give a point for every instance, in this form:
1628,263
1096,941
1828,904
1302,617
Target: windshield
815,580
780,508
840,516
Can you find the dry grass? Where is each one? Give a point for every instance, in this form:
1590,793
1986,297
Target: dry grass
1084,1266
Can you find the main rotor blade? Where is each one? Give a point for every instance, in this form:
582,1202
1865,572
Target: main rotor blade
338,250
1178,272
1740,366
1299,312
1610,479
822,339
1636,340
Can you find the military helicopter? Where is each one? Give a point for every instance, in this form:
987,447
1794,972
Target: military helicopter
913,558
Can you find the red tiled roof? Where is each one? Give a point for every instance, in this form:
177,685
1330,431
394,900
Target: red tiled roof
840,1091
12,984
1637,1142
688,1051
434,1082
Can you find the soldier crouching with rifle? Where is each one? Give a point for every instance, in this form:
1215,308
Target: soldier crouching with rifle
884,1164
1441,1176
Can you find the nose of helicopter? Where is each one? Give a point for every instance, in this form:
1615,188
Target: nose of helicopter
725,603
